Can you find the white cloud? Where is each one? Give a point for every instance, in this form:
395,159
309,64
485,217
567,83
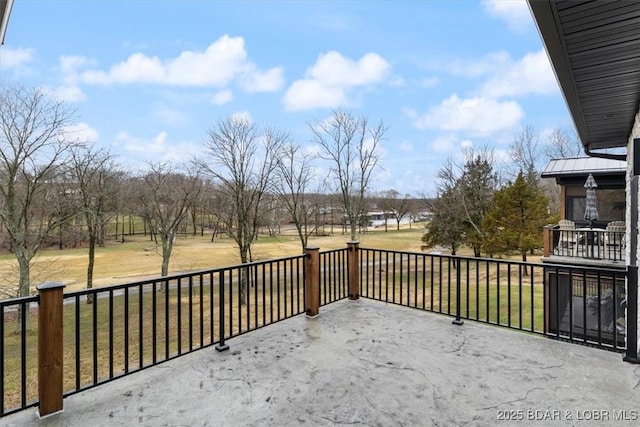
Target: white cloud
222,97
334,69
477,115
328,81
311,150
502,156
310,94
443,143
221,63
243,115
139,150
69,64
80,132
171,117
268,81
508,77
515,13
531,74
133,144
182,151
489,64
467,143
69,93
15,58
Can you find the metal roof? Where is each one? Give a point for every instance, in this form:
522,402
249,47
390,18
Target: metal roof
594,48
583,166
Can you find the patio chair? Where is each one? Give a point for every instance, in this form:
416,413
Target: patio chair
614,237
568,242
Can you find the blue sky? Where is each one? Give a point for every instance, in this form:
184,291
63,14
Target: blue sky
150,78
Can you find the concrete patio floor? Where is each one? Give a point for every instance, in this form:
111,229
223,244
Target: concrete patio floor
367,363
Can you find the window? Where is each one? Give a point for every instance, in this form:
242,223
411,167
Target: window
575,208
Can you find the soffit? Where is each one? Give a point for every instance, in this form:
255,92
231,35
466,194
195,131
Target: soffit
594,48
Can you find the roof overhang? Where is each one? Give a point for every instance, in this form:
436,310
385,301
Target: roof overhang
594,49
5,11
572,172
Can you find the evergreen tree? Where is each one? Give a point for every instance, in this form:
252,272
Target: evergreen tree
474,190
515,220
446,228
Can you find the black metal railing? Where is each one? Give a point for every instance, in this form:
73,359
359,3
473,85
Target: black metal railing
333,276
113,331
18,354
588,243
587,305
579,304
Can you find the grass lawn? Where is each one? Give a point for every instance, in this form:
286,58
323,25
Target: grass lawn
140,258
104,337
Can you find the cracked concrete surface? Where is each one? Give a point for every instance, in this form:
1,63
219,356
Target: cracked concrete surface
367,363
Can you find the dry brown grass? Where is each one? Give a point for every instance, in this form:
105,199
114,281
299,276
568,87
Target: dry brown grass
119,263
140,258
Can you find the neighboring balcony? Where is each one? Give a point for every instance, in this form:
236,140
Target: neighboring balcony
585,245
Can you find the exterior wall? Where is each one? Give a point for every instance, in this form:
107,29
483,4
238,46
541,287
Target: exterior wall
632,228
563,202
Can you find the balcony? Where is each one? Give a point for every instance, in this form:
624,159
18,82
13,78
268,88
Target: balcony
383,343
585,245
371,363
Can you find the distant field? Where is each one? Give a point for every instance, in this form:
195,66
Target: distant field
138,257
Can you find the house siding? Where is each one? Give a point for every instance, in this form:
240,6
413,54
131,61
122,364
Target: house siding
632,228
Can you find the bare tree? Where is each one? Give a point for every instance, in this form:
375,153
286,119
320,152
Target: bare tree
294,175
98,183
241,159
33,148
395,205
526,154
562,144
196,209
166,193
350,146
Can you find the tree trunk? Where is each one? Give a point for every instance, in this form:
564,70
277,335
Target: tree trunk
244,258
453,260
90,264
353,231
524,259
167,246
116,234
23,290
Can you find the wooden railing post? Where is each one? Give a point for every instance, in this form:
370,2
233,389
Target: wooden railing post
353,256
547,240
50,344
312,281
